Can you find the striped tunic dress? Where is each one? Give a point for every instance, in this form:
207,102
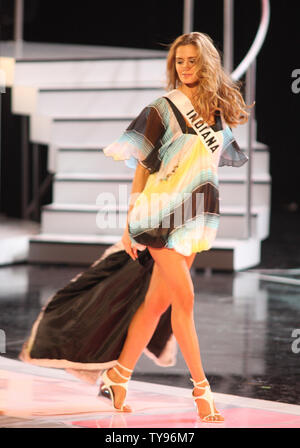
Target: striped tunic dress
179,206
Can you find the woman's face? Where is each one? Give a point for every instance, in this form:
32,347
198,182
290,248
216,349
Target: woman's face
185,63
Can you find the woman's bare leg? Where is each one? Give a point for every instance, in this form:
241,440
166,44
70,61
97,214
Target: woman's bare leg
141,329
182,318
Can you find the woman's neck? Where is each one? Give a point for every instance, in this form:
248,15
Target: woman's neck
188,89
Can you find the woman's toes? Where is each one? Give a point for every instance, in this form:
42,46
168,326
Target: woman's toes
218,418
127,408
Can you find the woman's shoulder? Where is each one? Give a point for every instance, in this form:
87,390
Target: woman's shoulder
158,102
159,107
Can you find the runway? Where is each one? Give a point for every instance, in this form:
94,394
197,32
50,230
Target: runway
37,397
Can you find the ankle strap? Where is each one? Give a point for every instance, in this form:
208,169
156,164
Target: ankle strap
125,368
199,382
127,378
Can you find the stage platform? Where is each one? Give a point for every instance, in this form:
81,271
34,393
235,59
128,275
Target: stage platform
38,51
37,397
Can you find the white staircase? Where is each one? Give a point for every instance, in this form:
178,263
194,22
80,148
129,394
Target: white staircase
79,106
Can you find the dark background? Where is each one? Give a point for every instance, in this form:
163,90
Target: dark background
153,25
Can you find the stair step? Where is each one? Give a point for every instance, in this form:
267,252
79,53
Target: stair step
90,220
84,250
96,177
145,68
98,130
67,238
93,160
82,102
230,254
83,131
91,188
78,207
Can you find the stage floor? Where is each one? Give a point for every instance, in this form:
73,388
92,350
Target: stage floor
37,397
249,333
251,358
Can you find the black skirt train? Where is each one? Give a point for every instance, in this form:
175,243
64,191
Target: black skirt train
83,326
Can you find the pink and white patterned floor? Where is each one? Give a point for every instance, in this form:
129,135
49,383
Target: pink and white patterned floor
37,397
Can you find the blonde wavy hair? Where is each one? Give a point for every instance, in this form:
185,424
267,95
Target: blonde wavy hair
216,90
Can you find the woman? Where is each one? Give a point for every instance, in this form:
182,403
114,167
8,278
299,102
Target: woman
176,145
196,77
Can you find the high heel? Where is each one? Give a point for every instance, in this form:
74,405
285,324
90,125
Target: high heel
105,387
207,395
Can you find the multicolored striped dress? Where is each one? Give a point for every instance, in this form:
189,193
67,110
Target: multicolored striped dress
179,206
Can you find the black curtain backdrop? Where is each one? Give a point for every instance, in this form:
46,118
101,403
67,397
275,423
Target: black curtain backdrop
156,23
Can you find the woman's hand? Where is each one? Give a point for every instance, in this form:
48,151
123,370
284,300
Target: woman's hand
132,251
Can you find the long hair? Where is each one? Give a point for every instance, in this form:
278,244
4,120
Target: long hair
216,90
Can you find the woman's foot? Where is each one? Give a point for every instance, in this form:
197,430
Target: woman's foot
119,391
205,404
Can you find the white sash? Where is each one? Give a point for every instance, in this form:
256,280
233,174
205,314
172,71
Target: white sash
207,135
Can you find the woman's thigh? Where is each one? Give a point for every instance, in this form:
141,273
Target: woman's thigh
173,273
189,260
157,299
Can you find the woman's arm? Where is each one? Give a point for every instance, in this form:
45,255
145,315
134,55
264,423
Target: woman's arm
138,184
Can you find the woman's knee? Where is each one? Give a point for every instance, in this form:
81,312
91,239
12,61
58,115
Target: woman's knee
156,305
158,297
183,302
173,269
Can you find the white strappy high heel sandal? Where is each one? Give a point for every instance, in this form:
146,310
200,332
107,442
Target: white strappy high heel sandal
207,395
105,387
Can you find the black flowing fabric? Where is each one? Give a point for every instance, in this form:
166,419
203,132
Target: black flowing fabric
84,325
